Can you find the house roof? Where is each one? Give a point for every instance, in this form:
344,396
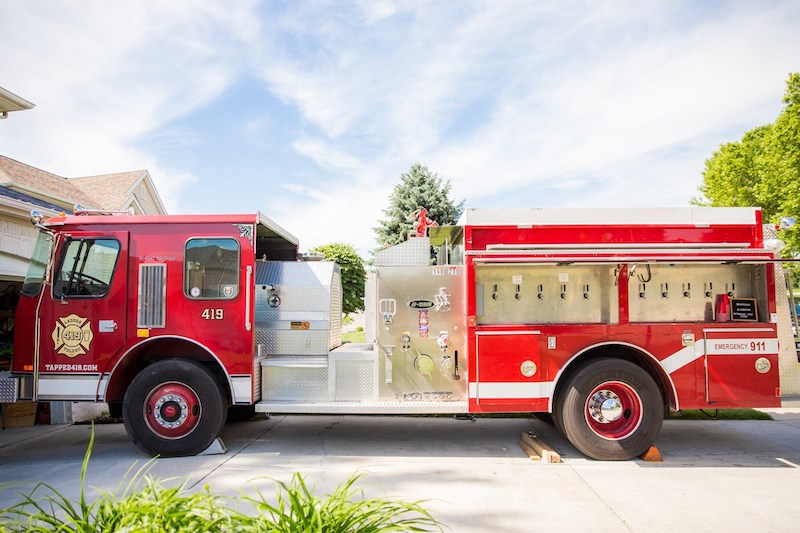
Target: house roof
32,200
41,184
106,191
111,191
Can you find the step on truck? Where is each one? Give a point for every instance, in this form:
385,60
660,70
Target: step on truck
602,320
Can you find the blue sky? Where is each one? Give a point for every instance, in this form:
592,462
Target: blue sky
310,111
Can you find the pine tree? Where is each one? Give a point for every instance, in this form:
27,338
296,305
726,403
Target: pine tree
418,188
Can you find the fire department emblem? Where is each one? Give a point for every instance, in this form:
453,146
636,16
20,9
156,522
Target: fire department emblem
72,335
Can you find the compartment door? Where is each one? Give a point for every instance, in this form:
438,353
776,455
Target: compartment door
742,367
510,369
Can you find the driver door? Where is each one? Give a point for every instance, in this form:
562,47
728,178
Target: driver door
82,317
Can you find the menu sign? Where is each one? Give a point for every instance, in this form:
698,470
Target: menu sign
744,309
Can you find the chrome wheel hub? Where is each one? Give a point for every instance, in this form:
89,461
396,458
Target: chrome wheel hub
170,411
604,406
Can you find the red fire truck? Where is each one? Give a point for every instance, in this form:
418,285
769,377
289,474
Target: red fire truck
601,319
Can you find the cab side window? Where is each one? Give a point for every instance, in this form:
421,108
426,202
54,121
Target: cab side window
86,267
211,269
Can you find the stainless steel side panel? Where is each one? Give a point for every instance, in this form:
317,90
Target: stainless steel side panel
298,307
787,355
420,370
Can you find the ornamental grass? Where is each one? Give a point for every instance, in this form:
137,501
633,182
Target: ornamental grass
143,504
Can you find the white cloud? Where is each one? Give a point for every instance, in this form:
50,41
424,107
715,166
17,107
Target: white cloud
539,103
104,74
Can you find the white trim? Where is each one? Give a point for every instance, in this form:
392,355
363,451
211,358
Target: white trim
654,216
536,390
242,389
527,257
739,346
151,186
683,357
272,225
689,354
726,330
366,408
478,333
12,266
68,387
615,245
39,194
134,203
13,102
102,386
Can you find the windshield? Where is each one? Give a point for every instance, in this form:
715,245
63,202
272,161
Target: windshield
36,268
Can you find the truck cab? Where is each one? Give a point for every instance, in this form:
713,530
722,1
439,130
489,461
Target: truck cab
152,314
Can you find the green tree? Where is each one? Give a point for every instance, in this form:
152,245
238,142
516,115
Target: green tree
763,169
418,188
353,274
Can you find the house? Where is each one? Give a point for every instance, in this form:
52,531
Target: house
24,188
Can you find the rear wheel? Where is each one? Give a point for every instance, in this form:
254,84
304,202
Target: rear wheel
173,408
611,410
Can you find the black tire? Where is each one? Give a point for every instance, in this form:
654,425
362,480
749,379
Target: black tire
174,408
611,410
241,413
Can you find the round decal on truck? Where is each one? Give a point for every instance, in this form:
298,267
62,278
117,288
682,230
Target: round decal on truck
528,368
763,365
72,335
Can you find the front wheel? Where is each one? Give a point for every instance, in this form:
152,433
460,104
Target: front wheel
611,410
173,408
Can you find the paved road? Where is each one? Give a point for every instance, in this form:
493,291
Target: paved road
716,475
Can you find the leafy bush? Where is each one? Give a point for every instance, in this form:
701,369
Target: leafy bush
143,504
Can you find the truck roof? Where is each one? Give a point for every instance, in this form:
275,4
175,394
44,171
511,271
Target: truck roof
655,216
266,226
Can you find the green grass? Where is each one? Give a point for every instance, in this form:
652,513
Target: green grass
356,337
143,504
720,414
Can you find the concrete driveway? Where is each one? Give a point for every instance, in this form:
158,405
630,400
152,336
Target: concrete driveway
716,475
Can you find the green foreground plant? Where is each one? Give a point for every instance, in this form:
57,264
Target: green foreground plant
142,503
346,509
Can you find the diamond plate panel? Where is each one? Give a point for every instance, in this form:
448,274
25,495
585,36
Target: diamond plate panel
353,373
787,356
294,383
257,373
354,381
8,388
287,342
414,252
306,312
336,311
